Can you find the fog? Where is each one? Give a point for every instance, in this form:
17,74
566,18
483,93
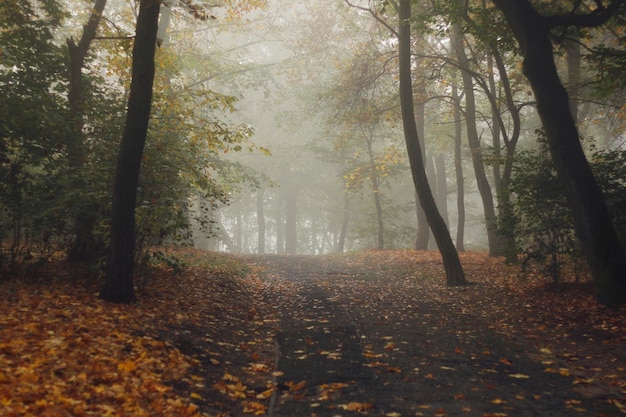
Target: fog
326,169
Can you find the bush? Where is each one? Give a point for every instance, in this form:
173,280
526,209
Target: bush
543,223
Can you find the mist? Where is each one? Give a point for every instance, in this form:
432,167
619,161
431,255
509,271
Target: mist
325,170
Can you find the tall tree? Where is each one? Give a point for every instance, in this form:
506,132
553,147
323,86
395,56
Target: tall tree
603,249
474,141
119,278
451,261
458,169
84,246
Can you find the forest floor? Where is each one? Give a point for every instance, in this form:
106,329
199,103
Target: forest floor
375,333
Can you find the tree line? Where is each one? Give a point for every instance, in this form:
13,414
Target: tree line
68,181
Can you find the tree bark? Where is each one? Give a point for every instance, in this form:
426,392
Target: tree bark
451,261
603,249
118,286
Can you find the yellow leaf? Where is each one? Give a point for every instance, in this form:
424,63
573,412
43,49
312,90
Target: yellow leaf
259,367
355,406
255,408
127,366
265,394
196,396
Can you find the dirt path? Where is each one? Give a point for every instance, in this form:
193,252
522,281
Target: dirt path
359,339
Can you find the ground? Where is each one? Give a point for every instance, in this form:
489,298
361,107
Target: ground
375,333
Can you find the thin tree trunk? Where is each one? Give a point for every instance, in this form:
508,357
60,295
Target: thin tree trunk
84,246
423,230
431,175
260,216
291,218
280,226
474,143
344,223
380,235
506,230
595,230
458,170
442,187
78,54
380,231
118,286
451,261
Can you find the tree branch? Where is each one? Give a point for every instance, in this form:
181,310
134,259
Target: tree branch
594,18
375,16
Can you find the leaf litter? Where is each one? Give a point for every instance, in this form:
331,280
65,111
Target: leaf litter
202,342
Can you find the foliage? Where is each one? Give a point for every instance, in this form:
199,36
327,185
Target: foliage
33,129
609,168
543,223
66,353
41,196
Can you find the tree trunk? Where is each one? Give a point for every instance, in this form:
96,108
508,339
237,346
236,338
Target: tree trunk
431,175
451,261
423,230
506,230
474,143
118,286
380,231
291,219
344,223
458,170
380,235
85,246
280,226
442,187
78,54
603,249
260,217
573,75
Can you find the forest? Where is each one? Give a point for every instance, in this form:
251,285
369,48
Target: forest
272,127
173,172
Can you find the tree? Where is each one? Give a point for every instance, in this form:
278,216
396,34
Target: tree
84,246
33,126
474,140
600,242
119,278
451,261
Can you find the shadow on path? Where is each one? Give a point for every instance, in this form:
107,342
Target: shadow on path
357,340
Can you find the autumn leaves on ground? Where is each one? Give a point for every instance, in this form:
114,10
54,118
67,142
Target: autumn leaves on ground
204,341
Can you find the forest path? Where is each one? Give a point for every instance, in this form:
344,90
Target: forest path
366,339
